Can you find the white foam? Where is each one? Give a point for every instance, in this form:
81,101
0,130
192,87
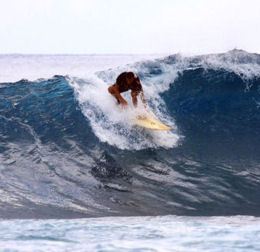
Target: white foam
113,125
160,234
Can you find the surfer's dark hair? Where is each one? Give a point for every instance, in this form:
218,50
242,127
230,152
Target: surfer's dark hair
130,75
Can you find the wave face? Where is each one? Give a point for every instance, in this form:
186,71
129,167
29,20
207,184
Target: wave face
67,151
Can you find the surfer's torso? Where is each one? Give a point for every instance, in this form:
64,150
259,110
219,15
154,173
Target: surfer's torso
124,82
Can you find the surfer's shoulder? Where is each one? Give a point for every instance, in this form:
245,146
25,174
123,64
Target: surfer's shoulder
121,77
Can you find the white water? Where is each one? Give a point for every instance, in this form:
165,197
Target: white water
168,233
112,124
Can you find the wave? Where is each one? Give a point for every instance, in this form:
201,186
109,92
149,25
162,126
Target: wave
67,151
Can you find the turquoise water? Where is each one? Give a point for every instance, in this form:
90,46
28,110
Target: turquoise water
168,233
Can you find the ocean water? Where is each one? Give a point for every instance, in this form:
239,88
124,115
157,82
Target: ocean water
167,233
67,152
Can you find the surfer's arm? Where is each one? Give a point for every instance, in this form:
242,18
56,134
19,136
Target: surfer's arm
140,92
115,92
142,97
134,95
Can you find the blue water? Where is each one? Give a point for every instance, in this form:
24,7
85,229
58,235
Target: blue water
66,153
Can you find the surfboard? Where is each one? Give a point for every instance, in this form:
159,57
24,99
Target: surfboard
149,122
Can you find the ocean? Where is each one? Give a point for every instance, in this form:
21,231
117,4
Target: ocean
77,175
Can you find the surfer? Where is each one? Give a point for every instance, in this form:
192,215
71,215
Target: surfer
124,82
